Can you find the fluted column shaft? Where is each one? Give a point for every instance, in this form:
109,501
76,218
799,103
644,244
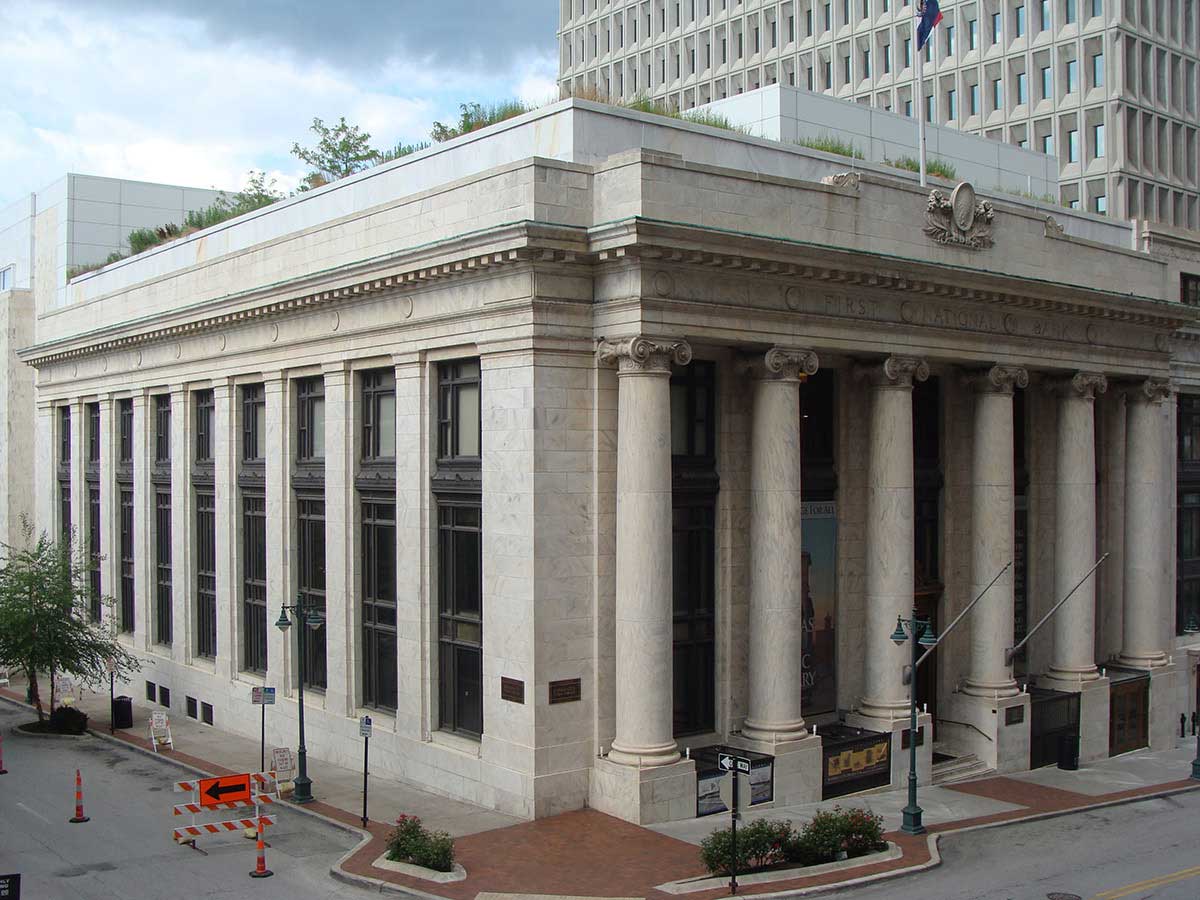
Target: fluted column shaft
1144,543
776,603
644,727
891,545
1075,529
992,530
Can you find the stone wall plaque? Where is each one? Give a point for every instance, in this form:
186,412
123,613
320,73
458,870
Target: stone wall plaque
512,690
566,691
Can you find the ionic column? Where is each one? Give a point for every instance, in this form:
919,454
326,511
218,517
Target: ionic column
1145,433
1074,659
891,545
992,530
644,728
776,604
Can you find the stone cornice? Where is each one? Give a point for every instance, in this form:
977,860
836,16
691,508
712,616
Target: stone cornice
666,242
544,244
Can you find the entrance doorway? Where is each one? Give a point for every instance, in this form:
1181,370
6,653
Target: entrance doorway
1128,714
1054,715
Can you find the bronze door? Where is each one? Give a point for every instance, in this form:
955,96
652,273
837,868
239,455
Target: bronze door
1128,715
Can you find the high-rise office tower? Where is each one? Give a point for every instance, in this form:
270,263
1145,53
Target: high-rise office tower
1108,86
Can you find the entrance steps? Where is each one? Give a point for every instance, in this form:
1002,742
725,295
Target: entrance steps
960,768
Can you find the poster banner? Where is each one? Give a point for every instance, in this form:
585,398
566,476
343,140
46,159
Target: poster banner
818,582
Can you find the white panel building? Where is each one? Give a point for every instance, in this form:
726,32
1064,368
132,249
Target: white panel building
1108,87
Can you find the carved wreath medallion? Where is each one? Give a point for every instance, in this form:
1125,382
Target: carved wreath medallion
961,220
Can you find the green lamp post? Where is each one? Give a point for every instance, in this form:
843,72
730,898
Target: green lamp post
1193,627
918,633
307,616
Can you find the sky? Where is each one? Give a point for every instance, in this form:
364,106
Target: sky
199,93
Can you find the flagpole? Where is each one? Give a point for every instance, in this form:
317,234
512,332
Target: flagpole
919,99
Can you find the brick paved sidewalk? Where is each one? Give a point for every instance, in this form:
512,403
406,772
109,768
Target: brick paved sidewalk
589,854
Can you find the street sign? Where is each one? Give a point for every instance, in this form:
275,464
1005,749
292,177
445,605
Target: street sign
282,763
262,696
743,792
364,727
10,887
727,762
224,789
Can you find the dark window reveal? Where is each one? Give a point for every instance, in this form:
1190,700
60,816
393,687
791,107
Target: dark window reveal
204,426
1189,289
162,566
378,414
311,562
460,614
458,410
206,574
127,579
125,429
162,429
379,603
254,425
310,418
254,582
94,552
1187,568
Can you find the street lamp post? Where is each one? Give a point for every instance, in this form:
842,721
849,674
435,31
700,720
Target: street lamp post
307,616
919,633
1193,627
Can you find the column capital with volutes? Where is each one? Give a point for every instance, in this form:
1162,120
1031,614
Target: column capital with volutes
781,364
894,372
644,355
1085,385
997,380
1155,391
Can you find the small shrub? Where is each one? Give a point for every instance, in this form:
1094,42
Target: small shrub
827,143
765,842
820,839
68,720
716,853
937,167
862,832
412,842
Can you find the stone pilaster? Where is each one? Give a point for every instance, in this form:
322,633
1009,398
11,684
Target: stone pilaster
228,522
277,471
45,459
890,546
644,732
992,531
1145,544
341,586
412,488
78,478
776,608
1074,661
183,522
110,523
143,524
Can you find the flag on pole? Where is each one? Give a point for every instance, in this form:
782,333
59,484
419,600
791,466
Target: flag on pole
930,17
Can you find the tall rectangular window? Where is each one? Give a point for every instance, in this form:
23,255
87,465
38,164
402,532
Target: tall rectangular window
1072,146
1098,141
1098,70
460,617
1189,293
206,574
93,434
1019,22
1072,76
94,585
254,424
64,471
162,428
125,429
1044,18
310,418
379,603
997,28
458,410
204,426
1069,10
64,436
997,94
254,583
310,537
1022,88
127,578
952,105
908,61
973,34
1047,83
162,566
1187,566
949,40
378,414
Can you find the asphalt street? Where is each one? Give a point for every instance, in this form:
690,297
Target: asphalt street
126,850
1140,850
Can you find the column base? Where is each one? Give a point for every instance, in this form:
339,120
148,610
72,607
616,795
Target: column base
1149,660
1069,679
774,733
643,796
644,757
797,767
990,690
881,710
996,730
899,753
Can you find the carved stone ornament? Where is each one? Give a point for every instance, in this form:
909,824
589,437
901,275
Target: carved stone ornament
1086,384
643,354
1052,228
842,179
783,364
895,371
1156,390
959,220
998,379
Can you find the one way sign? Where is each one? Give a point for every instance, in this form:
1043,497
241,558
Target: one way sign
727,762
225,789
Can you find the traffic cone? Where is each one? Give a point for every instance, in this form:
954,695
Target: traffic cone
260,866
79,816
3,771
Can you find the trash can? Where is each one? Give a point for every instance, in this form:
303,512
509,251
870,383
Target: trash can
1068,752
122,712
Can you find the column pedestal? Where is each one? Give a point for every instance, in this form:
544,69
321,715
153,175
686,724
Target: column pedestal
1093,719
899,753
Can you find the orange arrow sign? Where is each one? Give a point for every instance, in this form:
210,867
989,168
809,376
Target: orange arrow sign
225,789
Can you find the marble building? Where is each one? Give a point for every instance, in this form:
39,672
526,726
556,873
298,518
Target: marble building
603,439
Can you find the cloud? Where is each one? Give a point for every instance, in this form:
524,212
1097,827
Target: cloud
117,88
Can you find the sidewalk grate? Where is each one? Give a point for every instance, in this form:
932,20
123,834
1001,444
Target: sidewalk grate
1058,896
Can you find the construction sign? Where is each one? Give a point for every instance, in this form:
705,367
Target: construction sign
224,789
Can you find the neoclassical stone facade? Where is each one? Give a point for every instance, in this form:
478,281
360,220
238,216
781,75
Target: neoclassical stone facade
599,447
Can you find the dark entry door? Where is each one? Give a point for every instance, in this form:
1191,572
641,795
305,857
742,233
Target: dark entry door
693,617
1053,716
1128,715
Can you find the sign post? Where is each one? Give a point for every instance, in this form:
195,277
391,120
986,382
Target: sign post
263,697
364,731
734,765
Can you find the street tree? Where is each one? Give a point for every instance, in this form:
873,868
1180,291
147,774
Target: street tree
341,150
46,625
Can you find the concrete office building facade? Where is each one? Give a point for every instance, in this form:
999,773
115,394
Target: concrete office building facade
599,448
1108,86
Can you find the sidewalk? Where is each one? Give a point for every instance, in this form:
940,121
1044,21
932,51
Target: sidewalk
587,854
